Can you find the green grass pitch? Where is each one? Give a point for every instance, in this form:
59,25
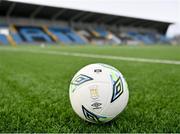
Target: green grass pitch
34,89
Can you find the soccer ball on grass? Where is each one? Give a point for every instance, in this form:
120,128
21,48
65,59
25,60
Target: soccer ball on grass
98,93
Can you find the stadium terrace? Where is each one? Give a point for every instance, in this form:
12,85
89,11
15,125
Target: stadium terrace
29,23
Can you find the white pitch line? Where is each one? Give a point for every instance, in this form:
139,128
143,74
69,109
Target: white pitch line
161,61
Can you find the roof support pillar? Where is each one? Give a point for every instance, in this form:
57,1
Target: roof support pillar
37,10
55,16
10,10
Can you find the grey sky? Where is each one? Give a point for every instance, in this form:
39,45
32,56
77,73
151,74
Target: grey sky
163,10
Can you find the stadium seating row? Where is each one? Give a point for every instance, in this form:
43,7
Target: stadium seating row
67,35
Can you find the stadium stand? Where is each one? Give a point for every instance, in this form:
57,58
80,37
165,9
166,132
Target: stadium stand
66,35
3,39
68,26
3,34
33,34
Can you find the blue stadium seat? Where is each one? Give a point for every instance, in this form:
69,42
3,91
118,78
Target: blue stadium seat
60,35
75,38
141,37
16,37
152,36
102,32
33,35
164,39
3,39
144,39
66,35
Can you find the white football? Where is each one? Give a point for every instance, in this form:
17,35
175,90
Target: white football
98,93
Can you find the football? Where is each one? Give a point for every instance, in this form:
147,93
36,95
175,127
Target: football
98,93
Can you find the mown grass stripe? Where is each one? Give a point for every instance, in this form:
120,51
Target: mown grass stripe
161,61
